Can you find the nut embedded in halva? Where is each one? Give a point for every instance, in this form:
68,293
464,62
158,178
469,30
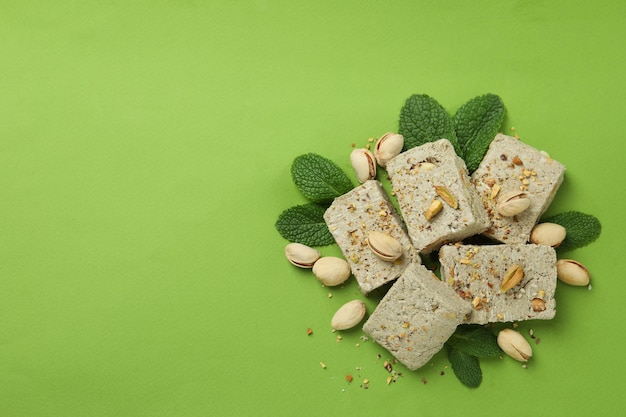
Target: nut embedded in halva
384,246
513,203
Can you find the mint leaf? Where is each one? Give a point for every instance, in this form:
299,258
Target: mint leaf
466,367
305,224
582,229
475,340
423,119
319,178
476,123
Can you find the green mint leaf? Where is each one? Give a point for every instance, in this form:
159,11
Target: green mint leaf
582,229
305,224
319,178
475,340
466,367
423,119
476,123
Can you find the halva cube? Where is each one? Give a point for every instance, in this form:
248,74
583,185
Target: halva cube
350,219
476,273
416,317
436,197
512,167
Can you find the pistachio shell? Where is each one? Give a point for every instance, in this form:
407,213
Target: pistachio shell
331,270
514,345
349,315
572,272
513,203
301,255
364,164
388,147
550,234
384,246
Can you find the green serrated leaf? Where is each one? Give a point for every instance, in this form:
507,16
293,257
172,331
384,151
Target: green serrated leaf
305,224
319,178
466,367
476,123
582,229
475,340
423,119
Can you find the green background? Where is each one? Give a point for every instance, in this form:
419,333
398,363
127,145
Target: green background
145,152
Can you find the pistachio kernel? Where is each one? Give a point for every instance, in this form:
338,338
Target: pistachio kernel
512,276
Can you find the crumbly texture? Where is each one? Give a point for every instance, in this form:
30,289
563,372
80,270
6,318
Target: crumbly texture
351,217
511,165
416,317
414,176
475,273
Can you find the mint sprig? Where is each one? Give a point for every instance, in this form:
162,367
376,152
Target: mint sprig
582,229
476,124
466,345
466,367
470,130
475,340
423,119
319,178
305,224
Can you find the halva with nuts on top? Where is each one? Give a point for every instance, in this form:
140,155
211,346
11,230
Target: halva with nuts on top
502,283
416,317
436,197
370,235
516,183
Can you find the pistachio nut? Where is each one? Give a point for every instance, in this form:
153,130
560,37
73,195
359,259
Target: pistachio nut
550,234
512,203
447,196
513,344
538,304
572,272
387,147
349,315
434,208
364,164
301,255
331,270
384,246
512,276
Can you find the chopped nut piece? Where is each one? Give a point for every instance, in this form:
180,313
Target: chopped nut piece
434,208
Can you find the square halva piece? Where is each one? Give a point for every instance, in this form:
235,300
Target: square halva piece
475,273
416,317
430,172
511,166
350,219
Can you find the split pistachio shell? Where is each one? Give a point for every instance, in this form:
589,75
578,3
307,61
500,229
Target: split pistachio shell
572,272
349,315
514,345
550,234
331,270
384,246
364,164
513,203
388,147
301,255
